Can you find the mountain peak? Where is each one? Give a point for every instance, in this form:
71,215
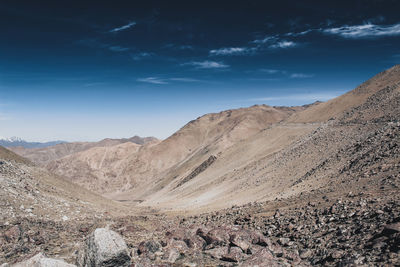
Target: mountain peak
11,139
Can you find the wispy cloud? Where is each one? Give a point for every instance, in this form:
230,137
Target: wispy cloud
274,42
301,75
158,80
285,73
295,34
364,31
270,71
93,84
124,27
141,55
152,80
231,51
265,40
283,44
206,64
117,48
184,79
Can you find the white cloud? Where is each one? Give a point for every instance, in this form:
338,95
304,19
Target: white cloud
301,75
364,31
267,39
273,42
299,33
231,51
153,80
124,27
283,44
206,64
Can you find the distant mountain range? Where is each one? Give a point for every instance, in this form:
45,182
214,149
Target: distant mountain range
18,142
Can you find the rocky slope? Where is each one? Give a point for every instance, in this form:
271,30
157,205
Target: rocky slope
31,197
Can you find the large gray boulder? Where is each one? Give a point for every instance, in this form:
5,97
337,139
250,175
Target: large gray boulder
39,260
104,248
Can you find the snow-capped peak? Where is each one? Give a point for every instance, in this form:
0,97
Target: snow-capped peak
11,139
15,139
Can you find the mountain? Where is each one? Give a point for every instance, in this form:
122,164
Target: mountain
239,156
121,168
43,155
319,148
18,142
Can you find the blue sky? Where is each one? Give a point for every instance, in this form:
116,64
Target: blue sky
99,69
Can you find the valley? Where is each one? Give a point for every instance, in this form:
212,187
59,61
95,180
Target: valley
259,186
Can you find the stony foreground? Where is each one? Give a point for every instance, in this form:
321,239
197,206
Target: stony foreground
359,230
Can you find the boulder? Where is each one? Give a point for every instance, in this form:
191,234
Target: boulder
39,260
241,239
104,248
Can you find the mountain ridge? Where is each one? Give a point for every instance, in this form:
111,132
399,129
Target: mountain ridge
43,155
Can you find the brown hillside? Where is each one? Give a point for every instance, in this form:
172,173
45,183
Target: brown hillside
139,167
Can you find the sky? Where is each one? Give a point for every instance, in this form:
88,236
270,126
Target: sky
87,70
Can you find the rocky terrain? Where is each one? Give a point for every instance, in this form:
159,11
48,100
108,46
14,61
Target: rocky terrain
262,186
